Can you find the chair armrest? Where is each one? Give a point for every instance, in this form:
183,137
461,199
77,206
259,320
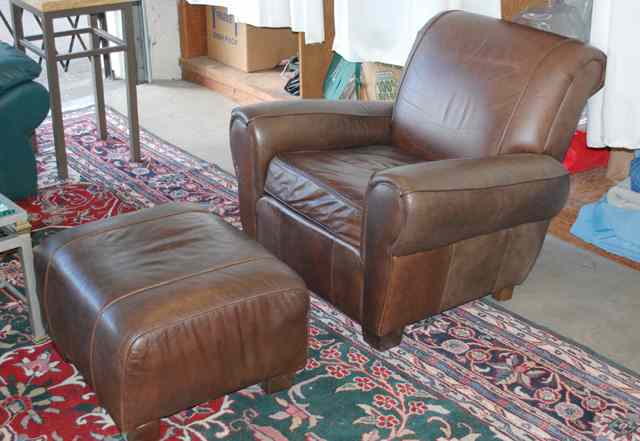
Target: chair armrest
16,68
23,108
420,207
259,132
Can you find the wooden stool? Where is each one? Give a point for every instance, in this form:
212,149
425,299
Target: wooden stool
46,11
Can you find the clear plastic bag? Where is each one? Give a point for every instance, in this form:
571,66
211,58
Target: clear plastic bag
571,18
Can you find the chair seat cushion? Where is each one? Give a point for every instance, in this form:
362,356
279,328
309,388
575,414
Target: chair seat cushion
328,187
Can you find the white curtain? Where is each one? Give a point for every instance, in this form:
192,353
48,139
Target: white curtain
614,113
300,15
384,31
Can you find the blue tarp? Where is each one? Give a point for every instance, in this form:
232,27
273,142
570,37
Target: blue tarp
614,229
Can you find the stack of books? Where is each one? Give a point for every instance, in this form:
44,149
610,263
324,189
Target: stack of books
6,211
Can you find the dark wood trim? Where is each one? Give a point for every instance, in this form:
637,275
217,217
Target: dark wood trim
316,58
193,30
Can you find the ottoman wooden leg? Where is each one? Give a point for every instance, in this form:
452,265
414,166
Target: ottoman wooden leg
504,294
384,342
279,383
146,432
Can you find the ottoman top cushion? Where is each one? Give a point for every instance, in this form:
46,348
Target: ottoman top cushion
167,307
150,269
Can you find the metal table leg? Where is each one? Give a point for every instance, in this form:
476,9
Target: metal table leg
54,93
74,37
131,70
18,29
102,20
62,63
100,39
18,237
98,85
26,258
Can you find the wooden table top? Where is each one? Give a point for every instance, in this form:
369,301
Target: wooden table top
63,5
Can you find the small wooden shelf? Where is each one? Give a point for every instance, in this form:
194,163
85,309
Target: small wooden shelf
314,58
242,87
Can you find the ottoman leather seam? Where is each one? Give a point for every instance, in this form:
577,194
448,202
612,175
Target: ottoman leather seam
106,306
135,338
45,294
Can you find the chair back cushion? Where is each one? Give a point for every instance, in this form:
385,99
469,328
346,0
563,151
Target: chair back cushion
15,68
475,86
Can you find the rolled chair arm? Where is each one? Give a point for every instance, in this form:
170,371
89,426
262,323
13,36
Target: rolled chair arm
22,109
420,207
259,132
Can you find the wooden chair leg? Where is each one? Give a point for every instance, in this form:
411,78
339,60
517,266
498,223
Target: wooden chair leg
146,432
279,383
384,342
504,294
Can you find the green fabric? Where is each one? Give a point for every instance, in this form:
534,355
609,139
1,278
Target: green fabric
343,79
22,109
15,68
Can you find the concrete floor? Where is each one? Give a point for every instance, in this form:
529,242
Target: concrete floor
189,116
582,296
586,298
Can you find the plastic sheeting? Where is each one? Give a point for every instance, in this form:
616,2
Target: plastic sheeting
615,111
571,18
300,15
384,31
623,196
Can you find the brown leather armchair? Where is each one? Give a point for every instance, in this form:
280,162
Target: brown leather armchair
397,211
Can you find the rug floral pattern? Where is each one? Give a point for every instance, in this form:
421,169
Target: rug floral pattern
474,373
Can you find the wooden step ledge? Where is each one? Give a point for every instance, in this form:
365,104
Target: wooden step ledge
241,87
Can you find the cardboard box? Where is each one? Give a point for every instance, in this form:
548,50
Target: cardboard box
247,47
380,81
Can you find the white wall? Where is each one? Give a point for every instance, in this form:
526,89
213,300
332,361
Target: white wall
163,39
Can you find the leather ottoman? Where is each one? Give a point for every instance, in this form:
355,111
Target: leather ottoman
169,307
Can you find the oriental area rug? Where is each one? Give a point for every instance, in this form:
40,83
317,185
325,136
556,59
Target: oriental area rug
474,373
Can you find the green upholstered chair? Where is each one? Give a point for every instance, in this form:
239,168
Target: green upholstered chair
24,104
